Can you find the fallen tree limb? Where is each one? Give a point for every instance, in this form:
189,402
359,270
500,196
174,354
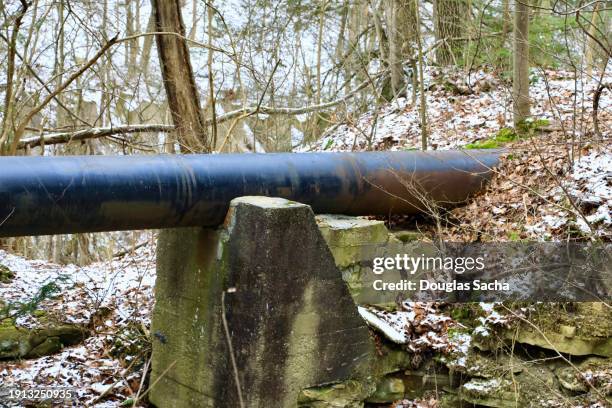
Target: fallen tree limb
95,133
268,110
28,117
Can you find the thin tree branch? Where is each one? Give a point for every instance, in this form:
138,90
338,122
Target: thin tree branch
182,37
94,133
42,82
268,110
20,129
10,72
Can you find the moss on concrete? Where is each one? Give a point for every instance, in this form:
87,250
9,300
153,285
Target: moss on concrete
297,342
185,334
355,242
352,239
50,345
348,394
408,235
292,321
13,341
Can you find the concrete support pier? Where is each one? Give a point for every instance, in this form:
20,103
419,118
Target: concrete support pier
267,282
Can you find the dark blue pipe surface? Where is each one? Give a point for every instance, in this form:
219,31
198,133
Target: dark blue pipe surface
52,195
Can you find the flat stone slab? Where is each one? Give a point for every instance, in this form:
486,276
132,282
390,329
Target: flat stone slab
266,202
582,332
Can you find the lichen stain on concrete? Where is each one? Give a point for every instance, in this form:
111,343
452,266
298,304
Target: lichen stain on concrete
300,366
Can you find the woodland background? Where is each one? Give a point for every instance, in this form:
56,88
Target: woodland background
171,76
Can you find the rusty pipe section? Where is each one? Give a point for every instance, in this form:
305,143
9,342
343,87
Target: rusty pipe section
53,195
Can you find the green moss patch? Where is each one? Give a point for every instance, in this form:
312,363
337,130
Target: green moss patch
506,135
16,342
6,275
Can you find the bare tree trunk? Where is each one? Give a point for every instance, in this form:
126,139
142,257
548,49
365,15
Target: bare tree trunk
423,107
145,56
387,91
181,90
319,50
394,40
340,44
449,18
357,14
315,116
400,16
591,46
105,111
132,46
506,22
520,76
194,20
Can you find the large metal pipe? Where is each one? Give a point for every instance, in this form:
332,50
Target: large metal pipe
53,195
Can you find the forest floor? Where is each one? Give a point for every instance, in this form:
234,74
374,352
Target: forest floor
554,184
113,300
554,181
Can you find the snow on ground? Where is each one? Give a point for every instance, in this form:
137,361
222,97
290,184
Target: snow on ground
122,288
591,184
538,195
419,326
553,185
473,109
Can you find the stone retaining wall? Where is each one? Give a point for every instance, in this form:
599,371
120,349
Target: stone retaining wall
283,287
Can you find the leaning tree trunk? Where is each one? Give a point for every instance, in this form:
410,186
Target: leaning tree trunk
181,90
520,76
449,20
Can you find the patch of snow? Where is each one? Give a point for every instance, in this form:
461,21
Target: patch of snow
418,326
297,136
487,306
482,331
593,174
591,184
482,386
391,325
460,347
123,285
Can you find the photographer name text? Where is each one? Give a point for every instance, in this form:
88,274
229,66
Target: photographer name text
424,264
